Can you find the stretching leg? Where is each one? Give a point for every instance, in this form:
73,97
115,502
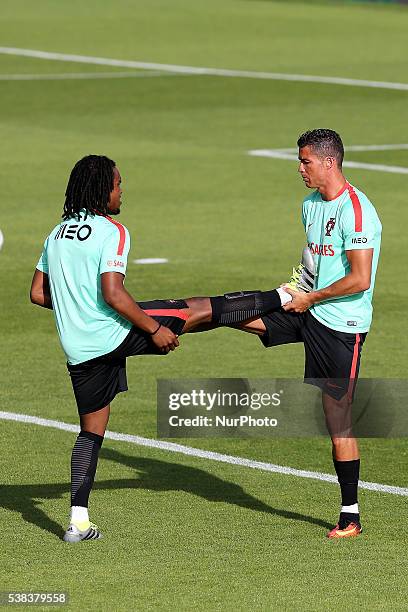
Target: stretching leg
239,310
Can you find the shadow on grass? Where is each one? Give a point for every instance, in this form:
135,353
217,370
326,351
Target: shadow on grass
156,475
27,499
152,475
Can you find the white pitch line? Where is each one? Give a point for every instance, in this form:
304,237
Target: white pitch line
376,167
203,454
383,147
284,154
223,72
373,147
274,153
64,76
151,260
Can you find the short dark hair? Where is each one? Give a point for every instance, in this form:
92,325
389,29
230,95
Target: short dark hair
325,143
89,186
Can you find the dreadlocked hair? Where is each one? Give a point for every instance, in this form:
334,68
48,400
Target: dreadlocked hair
89,186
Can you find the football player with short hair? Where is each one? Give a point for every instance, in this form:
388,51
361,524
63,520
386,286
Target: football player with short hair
331,309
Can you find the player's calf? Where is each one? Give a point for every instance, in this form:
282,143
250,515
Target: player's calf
231,309
84,461
234,308
346,462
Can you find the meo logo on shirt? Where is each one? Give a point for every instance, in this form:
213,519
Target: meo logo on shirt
72,231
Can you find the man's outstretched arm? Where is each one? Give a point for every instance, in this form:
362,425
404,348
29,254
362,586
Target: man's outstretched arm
40,290
357,280
116,296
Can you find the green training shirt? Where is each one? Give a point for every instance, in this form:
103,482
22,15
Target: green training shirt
75,254
333,227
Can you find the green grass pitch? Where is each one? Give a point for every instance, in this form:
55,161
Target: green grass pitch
181,532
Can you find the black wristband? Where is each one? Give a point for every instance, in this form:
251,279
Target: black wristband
155,332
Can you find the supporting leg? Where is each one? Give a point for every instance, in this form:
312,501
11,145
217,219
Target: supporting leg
84,461
339,425
346,460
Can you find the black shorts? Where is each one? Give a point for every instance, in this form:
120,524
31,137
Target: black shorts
97,381
332,358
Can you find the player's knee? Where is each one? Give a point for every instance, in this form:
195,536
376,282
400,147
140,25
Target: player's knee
96,422
200,306
341,440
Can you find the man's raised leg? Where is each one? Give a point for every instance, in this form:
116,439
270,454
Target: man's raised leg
232,309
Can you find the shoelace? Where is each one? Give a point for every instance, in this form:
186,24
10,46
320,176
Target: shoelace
93,526
296,274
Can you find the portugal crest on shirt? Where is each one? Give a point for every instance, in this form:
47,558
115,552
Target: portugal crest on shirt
330,226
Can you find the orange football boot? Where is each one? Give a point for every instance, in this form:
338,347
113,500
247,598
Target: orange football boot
351,531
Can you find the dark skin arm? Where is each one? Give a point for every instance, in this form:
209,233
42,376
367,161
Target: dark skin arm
115,294
40,290
357,280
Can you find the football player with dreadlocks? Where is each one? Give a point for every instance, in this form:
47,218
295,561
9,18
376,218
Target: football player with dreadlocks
80,276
